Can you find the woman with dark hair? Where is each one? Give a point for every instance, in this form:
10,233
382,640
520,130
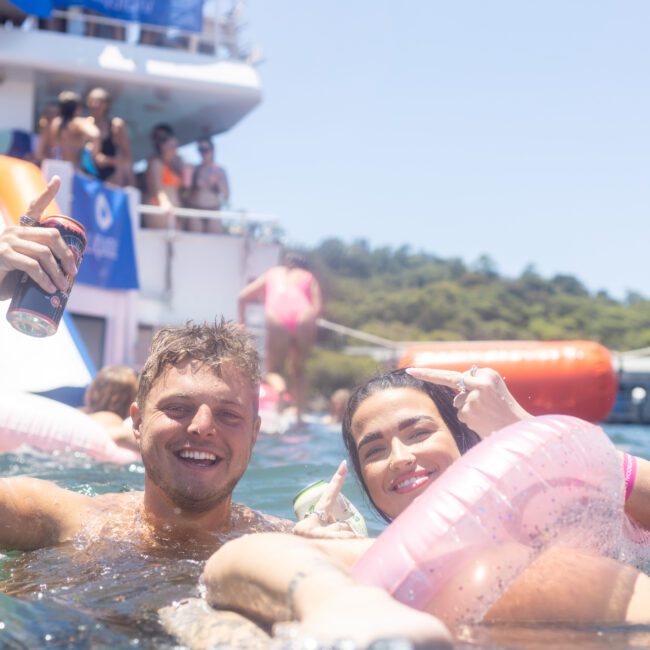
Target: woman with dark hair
164,180
377,447
402,433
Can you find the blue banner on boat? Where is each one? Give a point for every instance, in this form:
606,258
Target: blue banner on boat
40,8
109,260
182,14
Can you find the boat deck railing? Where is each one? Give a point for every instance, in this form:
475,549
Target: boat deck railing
220,36
255,225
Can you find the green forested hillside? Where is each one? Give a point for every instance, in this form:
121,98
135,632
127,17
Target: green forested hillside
406,296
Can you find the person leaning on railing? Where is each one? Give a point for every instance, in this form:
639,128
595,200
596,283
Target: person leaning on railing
209,188
166,179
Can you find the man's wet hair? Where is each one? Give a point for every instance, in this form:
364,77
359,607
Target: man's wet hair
213,344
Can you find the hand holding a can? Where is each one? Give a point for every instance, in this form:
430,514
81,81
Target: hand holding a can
39,252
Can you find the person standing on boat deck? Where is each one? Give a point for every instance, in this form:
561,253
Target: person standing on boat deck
113,161
165,184
69,136
210,189
292,304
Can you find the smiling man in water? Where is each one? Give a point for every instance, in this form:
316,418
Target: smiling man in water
196,421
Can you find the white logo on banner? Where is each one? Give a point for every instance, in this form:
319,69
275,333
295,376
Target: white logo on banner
103,212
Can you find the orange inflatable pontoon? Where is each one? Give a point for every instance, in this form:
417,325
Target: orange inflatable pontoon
20,183
561,377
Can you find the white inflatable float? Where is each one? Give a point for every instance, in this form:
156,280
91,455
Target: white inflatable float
47,425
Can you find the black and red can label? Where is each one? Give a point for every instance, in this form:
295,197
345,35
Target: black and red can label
32,310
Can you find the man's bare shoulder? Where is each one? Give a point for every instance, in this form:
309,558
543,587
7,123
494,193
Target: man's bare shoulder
36,513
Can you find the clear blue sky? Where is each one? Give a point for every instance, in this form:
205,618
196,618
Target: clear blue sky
509,128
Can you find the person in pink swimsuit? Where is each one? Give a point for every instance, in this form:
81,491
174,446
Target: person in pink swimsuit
292,304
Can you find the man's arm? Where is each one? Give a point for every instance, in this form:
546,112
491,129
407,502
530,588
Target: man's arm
36,513
279,578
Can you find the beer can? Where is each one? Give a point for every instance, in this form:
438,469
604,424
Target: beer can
305,502
32,310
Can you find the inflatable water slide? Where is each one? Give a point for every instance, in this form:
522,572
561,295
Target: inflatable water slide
48,365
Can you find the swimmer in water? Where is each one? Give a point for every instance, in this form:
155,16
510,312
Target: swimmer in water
108,399
292,304
395,424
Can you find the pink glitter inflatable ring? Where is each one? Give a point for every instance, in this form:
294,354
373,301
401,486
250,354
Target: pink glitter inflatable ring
541,482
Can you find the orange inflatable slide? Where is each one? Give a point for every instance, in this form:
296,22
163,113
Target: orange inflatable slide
20,182
561,377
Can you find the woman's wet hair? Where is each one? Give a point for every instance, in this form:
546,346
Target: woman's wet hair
441,396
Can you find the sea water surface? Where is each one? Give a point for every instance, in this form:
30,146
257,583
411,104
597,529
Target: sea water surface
57,598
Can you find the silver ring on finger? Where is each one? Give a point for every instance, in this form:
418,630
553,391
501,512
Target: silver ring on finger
28,221
460,385
473,370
